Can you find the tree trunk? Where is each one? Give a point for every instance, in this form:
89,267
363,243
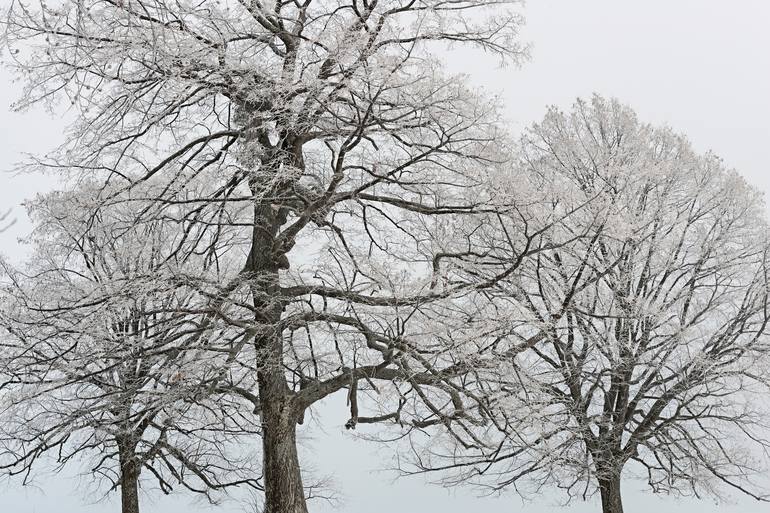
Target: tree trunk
284,492
129,481
610,491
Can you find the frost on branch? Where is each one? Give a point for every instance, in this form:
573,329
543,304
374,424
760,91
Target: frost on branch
330,179
97,367
646,347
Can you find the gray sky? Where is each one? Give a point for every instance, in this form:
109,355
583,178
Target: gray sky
700,66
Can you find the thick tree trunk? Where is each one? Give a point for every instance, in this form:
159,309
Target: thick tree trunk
129,482
284,492
282,477
610,492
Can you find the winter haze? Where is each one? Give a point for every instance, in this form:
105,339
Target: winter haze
699,66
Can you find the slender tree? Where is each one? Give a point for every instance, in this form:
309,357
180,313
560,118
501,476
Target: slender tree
650,330
319,141
94,363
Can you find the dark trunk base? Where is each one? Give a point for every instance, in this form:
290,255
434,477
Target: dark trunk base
611,499
284,492
129,483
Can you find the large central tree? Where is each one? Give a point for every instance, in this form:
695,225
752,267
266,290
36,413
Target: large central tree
321,143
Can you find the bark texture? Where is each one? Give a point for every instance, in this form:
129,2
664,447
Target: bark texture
284,492
610,492
129,482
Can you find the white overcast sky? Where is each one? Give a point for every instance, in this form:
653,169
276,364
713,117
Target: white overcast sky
700,66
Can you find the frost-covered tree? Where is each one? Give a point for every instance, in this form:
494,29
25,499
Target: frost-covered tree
95,365
641,347
321,143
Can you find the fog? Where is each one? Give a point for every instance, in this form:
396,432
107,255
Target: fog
699,66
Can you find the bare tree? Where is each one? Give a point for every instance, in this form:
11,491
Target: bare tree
321,142
94,363
650,329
